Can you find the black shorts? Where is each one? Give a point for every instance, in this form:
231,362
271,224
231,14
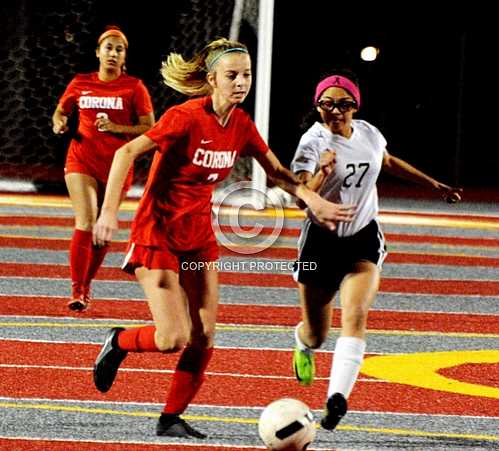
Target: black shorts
324,259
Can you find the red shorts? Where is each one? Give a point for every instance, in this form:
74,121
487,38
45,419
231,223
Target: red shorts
163,258
76,165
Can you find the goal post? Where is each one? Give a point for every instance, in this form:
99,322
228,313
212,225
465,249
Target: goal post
263,25
263,88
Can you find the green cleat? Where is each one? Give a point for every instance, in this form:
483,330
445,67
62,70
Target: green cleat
304,366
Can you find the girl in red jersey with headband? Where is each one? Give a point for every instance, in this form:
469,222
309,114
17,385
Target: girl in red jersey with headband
112,107
196,146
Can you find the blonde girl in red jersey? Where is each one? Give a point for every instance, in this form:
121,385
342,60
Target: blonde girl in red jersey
196,146
112,107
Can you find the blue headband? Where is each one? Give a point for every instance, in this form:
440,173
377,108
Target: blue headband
210,65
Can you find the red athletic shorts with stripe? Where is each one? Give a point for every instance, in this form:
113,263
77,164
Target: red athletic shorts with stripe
162,258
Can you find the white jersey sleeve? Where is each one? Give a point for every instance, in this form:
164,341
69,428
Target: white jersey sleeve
307,154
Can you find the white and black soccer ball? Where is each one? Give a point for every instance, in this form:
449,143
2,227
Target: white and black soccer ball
287,425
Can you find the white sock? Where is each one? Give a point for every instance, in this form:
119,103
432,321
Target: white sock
299,344
347,360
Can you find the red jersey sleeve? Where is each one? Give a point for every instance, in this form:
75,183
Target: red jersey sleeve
255,144
70,97
142,100
172,126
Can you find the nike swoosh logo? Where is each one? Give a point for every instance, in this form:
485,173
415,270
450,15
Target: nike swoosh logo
84,93
206,141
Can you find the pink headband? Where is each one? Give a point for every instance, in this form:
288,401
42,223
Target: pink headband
341,82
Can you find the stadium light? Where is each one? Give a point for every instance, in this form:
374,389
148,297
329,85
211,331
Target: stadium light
369,53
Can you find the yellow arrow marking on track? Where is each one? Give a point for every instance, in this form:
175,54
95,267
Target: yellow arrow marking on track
421,370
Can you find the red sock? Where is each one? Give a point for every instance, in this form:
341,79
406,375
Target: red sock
138,339
79,259
97,255
187,379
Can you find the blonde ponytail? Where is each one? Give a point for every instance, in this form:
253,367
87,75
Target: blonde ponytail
189,76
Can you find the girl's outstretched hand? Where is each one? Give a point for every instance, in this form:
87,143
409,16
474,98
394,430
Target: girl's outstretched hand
450,194
329,213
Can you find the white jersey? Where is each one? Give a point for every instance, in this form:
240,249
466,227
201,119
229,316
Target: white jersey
358,164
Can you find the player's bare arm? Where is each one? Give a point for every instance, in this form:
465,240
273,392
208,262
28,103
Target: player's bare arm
326,212
59,121
315,181
124,157
402,169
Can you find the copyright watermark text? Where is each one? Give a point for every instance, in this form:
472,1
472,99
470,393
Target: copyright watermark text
249,266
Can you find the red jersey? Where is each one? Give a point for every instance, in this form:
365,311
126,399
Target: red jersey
194,153
122,100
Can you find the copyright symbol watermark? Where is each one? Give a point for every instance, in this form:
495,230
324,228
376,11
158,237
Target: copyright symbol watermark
235,224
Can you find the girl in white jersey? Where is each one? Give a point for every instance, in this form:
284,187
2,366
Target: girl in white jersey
341,158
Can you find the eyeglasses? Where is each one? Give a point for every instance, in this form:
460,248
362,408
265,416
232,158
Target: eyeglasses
343,105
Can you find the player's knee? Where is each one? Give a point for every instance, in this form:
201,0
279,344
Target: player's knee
171,342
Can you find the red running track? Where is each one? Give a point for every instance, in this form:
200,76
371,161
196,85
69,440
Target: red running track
391,285
143,386
284,253
244,364
390,237
52,445
257,314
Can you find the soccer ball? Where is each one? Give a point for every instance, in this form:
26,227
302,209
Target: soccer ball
287,425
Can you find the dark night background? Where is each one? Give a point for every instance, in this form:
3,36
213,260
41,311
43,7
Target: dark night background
427,92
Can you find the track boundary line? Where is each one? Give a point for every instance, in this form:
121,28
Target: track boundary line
231,407
254,421
250,328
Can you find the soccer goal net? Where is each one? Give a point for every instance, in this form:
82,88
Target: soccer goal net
44,44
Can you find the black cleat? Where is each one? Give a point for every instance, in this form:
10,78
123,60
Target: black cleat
79,304
108,361
336,408
171,425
